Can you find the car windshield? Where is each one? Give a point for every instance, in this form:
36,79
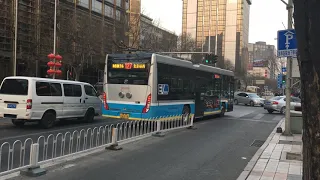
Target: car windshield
253,96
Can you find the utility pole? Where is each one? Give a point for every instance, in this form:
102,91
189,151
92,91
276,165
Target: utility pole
209,47
217,26
55,34
15,38
202,25
287,130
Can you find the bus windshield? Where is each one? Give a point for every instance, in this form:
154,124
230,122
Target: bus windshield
128,71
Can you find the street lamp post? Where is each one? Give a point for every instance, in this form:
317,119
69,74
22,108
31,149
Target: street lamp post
15,38
287,130
55,33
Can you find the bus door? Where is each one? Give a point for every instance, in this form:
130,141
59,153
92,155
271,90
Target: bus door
199,99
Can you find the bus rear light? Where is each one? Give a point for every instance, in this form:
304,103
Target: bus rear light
29,104
146,108
105,101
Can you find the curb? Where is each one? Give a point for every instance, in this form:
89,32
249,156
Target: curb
247,170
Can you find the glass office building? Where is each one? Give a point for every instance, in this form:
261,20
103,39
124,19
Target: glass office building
225,33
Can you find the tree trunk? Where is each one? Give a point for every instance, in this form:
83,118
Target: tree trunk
307,25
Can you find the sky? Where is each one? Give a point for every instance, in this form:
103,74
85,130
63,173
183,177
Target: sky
266,17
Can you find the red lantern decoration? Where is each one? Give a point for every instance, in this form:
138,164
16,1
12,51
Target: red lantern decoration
58,57
50,64
50,71
58,65
51,56
58,72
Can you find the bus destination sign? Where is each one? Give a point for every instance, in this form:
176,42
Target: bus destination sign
128,66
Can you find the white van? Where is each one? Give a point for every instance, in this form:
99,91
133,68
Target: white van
25,99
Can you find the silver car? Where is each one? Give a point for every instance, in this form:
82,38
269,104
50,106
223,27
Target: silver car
278,103
246,98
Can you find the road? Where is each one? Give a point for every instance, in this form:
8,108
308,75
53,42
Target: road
219,148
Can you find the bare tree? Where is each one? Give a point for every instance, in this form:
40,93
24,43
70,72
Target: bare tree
154,38
228,65
307,25
186,43
82,42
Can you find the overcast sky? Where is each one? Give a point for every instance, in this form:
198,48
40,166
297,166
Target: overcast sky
266,17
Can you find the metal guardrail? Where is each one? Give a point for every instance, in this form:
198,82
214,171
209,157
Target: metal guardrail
21,155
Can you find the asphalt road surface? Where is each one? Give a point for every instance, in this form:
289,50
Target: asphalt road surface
219,148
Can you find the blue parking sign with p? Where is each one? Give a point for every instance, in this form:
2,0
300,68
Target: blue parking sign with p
287,43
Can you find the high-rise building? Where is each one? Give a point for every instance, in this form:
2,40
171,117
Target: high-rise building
219,26
263,60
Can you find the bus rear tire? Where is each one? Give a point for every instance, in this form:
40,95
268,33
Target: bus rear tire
185,113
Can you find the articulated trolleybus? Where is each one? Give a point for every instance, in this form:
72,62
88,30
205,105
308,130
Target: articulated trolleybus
144,86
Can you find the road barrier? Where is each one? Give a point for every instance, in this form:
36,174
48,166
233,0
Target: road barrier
31,153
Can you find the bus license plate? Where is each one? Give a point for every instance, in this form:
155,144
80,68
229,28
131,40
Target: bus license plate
12,106
124,116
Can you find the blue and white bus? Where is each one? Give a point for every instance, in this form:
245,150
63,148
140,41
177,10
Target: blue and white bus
142,86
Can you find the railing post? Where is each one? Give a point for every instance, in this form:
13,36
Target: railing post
190,126
114,140
158,133
34,170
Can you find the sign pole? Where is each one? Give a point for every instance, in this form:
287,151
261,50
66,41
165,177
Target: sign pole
287,130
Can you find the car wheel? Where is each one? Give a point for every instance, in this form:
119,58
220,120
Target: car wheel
89,117
18,123
270,111
251,103
236,102
283,110
48,120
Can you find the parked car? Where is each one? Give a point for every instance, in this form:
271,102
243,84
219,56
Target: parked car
246,98
278,103
25,99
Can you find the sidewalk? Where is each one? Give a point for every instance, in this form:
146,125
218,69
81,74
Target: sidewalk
278,159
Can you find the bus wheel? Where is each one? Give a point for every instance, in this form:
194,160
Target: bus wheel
185,113
223,110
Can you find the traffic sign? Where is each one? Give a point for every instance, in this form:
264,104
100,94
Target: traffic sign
287,43
284,69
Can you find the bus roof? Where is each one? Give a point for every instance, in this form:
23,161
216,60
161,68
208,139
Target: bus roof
189,64
174,61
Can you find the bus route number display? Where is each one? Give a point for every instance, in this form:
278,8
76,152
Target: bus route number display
128,66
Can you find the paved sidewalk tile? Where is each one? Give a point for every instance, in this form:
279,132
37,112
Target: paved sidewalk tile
272,163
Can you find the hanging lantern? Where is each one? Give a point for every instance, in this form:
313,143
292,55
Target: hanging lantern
58,57
51,56
58,72
58,65
50,64
50,71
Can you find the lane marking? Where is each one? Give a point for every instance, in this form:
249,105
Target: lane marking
252,120
258,116
277,118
